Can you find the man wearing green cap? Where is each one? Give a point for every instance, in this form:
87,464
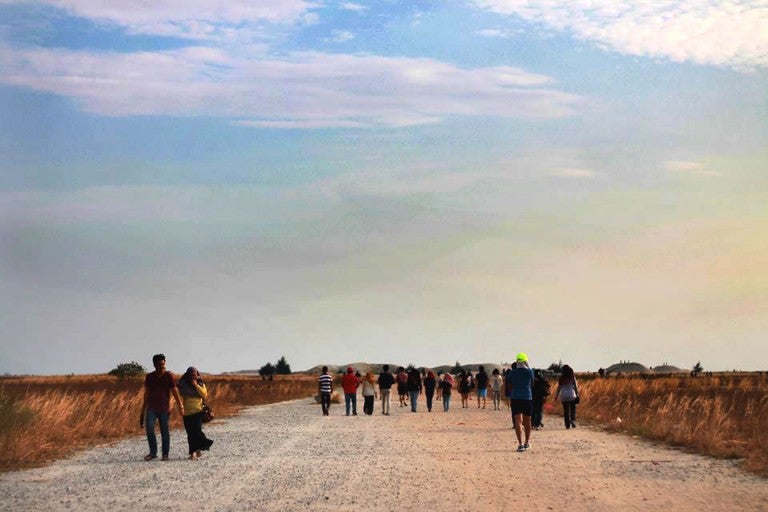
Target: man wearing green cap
519,381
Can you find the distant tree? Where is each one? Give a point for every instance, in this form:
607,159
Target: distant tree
556,367
127,370
282,367
267,371
697,368
457,368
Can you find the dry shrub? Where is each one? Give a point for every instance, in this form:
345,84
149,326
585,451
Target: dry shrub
721,415
47,418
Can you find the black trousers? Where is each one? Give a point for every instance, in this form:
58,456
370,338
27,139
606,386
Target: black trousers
569,412
430,394
368,404
538,411
196,439
325,401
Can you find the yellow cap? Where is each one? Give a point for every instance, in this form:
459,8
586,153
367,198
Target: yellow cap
522,357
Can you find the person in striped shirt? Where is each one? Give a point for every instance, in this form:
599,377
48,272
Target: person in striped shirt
325,387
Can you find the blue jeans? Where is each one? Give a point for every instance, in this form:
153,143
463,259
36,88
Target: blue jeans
350,399
165,433
414,398
446,402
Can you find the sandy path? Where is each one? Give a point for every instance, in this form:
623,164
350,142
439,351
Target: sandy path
289,457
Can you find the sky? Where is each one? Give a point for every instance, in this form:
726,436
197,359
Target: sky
407,182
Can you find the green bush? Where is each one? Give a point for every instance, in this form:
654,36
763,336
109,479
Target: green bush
126,370
267,371
282,367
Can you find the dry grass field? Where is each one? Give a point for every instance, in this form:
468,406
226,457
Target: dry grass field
722,415
47,418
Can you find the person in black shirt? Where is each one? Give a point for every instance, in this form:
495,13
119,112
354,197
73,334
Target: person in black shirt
481,379
386,381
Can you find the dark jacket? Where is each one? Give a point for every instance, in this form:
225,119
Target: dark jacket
414,381
386,380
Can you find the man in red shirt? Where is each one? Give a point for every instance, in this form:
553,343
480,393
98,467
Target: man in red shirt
350,382
156,406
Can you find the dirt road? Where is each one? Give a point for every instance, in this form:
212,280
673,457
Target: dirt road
289,457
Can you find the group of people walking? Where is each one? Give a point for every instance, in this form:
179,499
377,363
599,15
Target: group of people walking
525,389
189,392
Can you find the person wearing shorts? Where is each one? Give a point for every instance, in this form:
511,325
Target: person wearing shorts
519,381
482,386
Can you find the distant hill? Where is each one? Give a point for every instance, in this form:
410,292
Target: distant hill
628,368
667,368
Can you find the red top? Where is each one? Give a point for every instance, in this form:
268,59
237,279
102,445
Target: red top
159,388
350,382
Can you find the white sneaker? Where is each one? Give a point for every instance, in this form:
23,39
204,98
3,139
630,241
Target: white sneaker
521,448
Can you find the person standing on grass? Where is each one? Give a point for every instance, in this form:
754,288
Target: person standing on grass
519,382
386,380
414,387
430,384
350,382
325,389
446,386
369,392
193,391
156,406
568,393
540,391
496,383
482,386
402,386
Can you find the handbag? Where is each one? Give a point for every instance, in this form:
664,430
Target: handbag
578,399
207,413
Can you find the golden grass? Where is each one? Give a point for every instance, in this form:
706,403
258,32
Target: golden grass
722,415
47,418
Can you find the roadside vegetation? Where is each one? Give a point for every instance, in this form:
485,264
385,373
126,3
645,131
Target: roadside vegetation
722,415
47,418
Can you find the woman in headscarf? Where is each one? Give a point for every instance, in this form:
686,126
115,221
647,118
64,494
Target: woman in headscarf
193,393
568,393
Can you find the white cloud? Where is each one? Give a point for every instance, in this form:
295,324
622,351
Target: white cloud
688,167
494,32
342,36
301,89
353,7
303,125
726,33
185,18
573,172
